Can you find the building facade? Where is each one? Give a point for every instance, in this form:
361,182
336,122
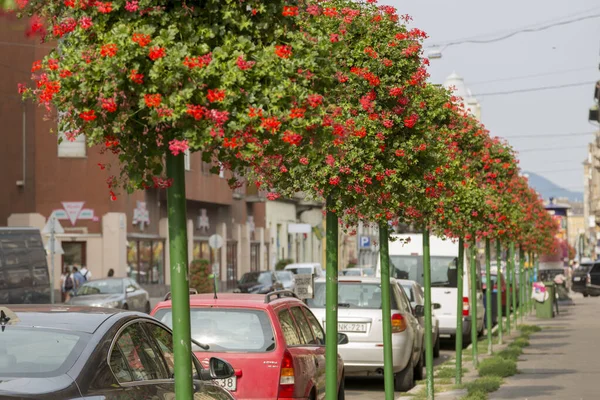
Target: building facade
129,235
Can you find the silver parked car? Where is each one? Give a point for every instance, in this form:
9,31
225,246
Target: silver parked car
122,293
287,279
359,317
415,294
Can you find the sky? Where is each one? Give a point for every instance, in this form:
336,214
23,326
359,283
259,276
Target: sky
567,54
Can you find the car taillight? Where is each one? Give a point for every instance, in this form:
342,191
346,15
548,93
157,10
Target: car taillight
466,307
286,379
398,323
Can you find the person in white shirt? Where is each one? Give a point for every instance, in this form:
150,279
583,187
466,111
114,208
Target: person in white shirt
86,273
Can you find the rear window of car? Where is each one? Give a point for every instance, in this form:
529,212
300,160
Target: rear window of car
228,329
38,353
301,271
352,295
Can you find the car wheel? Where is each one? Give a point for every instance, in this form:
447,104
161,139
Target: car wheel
586,294
480,332
125,306
147,308
466,340
418,374
404,380
436,346
342,389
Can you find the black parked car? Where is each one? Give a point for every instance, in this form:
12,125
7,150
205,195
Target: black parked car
580,279
259,283
592,286
60,352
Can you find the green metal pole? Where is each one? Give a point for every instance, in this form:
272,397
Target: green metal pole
488,294
331,304
499,291
180,293
428,312
459,310
508,289
386,311
473,304
522,279
516,287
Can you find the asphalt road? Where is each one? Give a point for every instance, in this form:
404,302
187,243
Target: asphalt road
371,388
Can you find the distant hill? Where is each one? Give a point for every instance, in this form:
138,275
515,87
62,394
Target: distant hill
548,189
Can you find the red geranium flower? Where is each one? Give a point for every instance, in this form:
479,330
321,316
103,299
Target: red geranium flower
289,11
109,105
283,51
104,7
108,50
142,39
156,52
88,116
135,77
197,112
215,95
152,100
243,64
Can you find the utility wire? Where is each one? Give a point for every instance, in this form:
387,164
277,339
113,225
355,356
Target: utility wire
534,89
516,78
581,147
516,32
546,135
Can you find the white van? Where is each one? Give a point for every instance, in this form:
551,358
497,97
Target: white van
406,262
306,269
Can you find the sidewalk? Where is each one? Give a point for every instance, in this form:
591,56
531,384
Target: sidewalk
562,362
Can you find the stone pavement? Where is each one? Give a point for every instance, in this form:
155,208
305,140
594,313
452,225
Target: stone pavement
562,362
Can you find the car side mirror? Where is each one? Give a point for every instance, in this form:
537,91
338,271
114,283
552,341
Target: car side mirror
419,311
130,289
437,306
220,369
342,338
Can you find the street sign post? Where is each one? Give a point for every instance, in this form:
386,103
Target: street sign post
304,286
52,228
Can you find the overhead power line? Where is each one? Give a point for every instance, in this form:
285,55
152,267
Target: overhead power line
529,29
534,89
547,135
516,78
582,147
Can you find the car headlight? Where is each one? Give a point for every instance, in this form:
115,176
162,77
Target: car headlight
111,304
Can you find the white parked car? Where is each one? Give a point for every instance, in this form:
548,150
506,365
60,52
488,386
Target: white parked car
306,269
359,317
406,261
415,295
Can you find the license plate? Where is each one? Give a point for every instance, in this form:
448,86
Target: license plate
577,279
229,383
351,327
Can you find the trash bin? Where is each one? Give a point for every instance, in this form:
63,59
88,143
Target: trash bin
545,310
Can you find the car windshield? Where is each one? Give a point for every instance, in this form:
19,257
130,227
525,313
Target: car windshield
38,353
107,286
301,271
443,270
351,295
285,276
228,329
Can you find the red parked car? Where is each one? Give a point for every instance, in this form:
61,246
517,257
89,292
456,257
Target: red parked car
274,343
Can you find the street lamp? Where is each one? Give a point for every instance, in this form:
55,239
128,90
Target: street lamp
434,54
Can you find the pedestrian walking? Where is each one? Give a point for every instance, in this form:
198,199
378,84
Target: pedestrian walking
66,284
78,278
87,275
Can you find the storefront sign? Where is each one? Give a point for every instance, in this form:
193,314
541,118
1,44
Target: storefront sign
304,288
141,215
74,211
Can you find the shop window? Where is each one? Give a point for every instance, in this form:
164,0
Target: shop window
75,254
146,261
202,251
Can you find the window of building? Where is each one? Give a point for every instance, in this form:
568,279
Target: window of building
74,148
75,254
202,251
146,260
